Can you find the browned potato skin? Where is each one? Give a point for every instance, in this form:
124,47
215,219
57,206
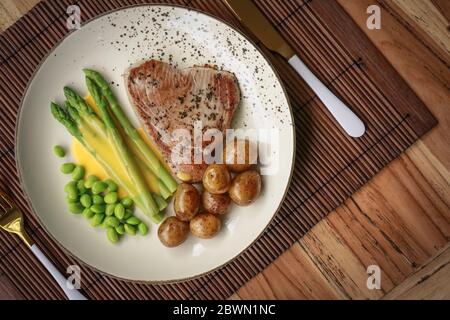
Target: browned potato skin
245,188
216,203
217,179
205,225
231,156
186,202
173,232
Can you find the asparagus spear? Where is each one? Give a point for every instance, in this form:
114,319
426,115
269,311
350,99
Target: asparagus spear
91,118
66,120
162,204
150,208
85,111
72,121
75,125
156,165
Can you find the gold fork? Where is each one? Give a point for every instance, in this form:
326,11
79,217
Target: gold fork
11,220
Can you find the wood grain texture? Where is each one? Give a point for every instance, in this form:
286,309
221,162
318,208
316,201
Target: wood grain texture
7,289
426,20
424,72
444,7
428,282
294,275
11,10
399,221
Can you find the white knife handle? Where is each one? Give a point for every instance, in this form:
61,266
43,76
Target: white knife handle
343,115
72,294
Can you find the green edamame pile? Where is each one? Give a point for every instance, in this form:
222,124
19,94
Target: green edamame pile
99,202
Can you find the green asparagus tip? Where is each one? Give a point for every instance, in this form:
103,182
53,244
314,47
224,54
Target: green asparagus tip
72,111
70,94
67,104
77,102
94,90
64,118
57,111
90,73
97,77
68,91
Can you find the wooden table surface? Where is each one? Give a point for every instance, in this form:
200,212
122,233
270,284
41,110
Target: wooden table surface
399,221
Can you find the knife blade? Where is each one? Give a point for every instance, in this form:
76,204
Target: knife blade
258,24
250,16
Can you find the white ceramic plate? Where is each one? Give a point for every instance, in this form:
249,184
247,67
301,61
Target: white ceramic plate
111,43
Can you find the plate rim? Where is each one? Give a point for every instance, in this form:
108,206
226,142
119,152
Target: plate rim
20,173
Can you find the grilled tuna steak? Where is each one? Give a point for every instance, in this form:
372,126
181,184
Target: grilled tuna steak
167,99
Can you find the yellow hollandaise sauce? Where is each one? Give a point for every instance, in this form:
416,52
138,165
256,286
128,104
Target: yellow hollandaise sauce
103,146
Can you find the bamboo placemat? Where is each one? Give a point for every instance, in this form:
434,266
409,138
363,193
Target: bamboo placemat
329,165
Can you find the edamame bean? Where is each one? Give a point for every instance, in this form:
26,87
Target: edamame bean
86,200
72,194
90,181
98,208
70,185
128,214
78,173
81,188
59,151
75,207
133,221
68,200
119,211
110,209
120,229
97,199
112,221
129,229
97,219
112,234
104,225
99,187
127,202
111,197
143,229
87,213
112,186
67,168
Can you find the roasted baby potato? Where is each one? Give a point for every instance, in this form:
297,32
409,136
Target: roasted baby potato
215,203
240,155
205,225
245,188
173,232
216,179
186,202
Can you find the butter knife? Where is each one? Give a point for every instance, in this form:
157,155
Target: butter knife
249,15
